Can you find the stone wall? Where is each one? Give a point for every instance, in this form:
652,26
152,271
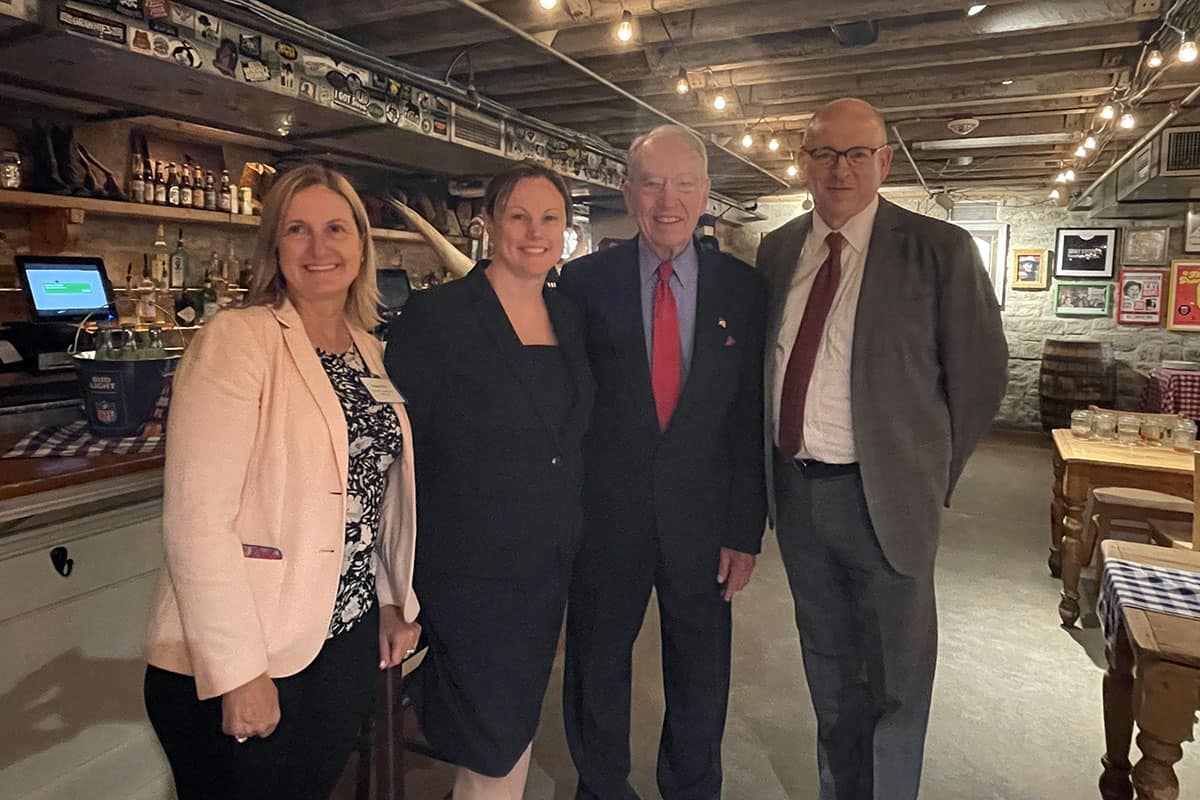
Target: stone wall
1029,315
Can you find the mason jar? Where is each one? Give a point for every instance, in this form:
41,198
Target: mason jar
1129,429
10,169
1153,431
1183,436
1081,423
1104,425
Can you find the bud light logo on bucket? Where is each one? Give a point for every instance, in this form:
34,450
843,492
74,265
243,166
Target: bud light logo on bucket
102,383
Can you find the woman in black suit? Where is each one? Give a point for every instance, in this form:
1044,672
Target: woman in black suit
495,374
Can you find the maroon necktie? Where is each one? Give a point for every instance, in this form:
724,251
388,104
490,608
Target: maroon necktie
804,350
666,363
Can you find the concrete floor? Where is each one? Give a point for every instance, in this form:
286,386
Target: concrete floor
1017,703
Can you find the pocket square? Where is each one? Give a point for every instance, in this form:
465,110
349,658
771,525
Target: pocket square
730,341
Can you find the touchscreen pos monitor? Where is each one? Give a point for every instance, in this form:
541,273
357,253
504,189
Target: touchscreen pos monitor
66,288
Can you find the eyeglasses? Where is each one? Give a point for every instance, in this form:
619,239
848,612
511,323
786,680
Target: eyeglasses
654,184
856,157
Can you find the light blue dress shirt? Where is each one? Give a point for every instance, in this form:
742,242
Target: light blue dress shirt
684,280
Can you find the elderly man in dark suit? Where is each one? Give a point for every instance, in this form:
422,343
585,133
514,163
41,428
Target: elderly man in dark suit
886,363
674,496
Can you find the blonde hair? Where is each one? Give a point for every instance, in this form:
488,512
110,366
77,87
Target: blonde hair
268,287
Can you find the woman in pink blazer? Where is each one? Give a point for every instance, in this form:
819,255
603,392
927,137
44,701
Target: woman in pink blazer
288,516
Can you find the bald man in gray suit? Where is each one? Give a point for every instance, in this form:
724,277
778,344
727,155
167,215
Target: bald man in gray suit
885,364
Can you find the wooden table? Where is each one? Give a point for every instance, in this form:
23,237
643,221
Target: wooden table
1083,464
1153,679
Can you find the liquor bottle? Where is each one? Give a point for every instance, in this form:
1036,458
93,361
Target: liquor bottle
160,185
146,296
198,189
137,181
179,264
173,187
210,192
223,195
211,307
185,188
162,258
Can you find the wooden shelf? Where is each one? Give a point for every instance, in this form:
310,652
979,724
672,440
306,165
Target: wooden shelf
113,208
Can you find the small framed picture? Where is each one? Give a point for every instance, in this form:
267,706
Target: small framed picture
1030,269
1085,252
1082,298
1183,308
1140,296
1145,246
1191,235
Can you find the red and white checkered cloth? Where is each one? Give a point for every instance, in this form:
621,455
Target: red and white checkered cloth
1172,391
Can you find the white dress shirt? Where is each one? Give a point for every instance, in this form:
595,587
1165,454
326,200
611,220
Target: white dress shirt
828,423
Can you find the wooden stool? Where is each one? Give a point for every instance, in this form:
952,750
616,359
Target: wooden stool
1105,506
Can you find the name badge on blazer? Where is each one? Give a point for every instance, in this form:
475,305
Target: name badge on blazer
262,551
382,390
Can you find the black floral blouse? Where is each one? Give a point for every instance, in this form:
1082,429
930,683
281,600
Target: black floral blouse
375,441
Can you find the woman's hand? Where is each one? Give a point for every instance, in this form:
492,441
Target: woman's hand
397,638
251,709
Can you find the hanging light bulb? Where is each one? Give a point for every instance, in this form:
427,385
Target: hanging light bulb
548,4
1155,59
625,29
1060,177
1187,50
1069,176
747,141
1081,152
773,145
1108,111
1090,142
1128,122
719,102
681,84
975,9
1054,194
792,170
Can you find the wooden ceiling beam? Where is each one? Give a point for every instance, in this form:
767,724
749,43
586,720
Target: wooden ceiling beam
333,15
733,42
539,88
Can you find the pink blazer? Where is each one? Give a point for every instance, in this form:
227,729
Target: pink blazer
258,455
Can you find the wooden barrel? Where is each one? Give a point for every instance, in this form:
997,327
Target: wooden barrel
1075,373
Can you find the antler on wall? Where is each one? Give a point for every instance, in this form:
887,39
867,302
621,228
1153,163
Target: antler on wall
455,261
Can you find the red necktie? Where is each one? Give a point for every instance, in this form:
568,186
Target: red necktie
804,351
666,363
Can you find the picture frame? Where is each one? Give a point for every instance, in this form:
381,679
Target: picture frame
1030,269
992,240
1191,233
1082,298
1145,247
1140,296
1085,252
1183,308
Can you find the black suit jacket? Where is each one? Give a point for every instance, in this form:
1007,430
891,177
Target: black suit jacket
497,482
698,485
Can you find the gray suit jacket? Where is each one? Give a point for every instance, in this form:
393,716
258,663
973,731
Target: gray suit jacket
929,369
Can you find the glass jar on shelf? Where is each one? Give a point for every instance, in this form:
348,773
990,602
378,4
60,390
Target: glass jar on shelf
1081,423
1129,429
1104,425
1183,436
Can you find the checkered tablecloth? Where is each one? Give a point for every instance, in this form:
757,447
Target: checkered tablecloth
74,439
1172,391
1128,584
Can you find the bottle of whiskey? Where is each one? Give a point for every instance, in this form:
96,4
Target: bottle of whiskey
185,187
223,195
137,181
160,185
198,189
210,192
173,187
161,255
179,264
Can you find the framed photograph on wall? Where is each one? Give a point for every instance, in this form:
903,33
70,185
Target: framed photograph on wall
1183,307
1145,247
1082,298
992,240
1191,234
1085,252
1140,294
1030,269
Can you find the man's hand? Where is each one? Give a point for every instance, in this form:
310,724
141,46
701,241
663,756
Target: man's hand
397,638
251,709
734,571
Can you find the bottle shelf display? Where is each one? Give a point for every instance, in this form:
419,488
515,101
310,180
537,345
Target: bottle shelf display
12,198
